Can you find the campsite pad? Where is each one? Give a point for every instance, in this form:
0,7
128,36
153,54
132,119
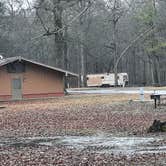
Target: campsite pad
99,144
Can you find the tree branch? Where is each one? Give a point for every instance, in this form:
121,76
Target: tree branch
143,34
48,33
42,22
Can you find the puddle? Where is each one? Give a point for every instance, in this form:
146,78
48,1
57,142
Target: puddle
99,144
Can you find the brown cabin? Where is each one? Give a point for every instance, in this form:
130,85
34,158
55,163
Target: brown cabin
21,78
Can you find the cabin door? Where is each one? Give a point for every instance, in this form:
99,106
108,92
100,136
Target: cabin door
16,89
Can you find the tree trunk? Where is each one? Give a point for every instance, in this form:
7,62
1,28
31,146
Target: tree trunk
134,66
65,52
57,58
82,4
151,69
65,55
157,67
114,38
82,58
115,53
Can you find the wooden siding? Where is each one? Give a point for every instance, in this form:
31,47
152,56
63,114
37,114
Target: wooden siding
36,82
5,84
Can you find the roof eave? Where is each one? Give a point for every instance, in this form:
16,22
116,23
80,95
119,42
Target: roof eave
40,64
71,74
50,67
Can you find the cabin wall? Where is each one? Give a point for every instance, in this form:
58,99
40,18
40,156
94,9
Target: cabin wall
37,82
41,82
5,84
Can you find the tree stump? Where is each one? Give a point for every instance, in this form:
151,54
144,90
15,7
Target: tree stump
157,126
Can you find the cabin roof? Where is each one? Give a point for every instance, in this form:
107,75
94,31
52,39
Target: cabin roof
19,58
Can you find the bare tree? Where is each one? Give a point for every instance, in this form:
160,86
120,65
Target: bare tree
117,12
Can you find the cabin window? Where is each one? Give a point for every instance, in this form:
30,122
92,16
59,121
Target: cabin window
87,78
102,77
16,67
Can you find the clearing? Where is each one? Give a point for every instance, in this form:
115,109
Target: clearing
107,129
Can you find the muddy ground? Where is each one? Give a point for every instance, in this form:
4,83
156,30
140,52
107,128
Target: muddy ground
81,130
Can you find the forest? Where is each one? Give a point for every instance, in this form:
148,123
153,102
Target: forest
89,36
44,123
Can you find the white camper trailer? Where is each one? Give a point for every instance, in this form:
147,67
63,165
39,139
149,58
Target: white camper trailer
106,79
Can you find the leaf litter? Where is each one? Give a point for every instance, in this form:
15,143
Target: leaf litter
67,131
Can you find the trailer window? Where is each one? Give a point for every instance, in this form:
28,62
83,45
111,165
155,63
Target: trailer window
125,77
